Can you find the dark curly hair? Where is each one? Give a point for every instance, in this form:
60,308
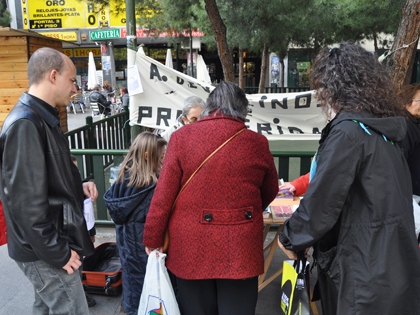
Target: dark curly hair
350,79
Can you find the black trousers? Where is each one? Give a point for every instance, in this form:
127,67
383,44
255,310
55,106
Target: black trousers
217,296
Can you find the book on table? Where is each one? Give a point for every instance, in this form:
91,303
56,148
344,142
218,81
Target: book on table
281,212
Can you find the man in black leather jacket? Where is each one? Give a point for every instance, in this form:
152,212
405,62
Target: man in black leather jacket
41,189
103,104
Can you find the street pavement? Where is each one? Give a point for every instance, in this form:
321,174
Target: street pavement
17,296
79,119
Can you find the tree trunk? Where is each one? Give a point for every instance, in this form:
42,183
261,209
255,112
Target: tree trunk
401,61
221,39
241,68
282,72
263,68
375,42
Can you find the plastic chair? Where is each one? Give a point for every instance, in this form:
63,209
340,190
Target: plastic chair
77,100
95,108
71,108
98,107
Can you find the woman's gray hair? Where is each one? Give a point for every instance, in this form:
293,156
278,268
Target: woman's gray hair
192,102
229,100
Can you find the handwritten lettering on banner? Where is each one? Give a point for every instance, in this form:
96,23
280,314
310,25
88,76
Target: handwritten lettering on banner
284,116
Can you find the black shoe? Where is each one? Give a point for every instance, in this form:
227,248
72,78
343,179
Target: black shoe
90,301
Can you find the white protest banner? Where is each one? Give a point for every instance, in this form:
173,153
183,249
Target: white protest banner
286,116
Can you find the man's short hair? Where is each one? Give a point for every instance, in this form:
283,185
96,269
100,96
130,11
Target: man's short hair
43,61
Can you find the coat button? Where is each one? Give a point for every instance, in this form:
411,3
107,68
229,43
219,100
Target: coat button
208,217
248,215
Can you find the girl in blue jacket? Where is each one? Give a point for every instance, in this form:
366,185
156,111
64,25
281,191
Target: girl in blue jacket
128,201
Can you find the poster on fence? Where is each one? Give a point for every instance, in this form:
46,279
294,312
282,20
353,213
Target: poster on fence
283,116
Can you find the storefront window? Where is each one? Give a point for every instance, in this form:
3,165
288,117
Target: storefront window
299,66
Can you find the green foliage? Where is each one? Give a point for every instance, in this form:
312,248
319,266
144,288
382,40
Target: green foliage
252,24
360,19
5,17
332,21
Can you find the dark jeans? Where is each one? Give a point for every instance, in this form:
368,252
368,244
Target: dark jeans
217,296
106,110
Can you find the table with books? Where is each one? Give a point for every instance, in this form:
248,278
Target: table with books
280,209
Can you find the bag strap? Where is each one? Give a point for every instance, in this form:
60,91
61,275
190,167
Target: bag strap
202,163
300,262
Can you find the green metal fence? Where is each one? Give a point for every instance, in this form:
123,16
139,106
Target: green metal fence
275,89
100,145
111,133
289,164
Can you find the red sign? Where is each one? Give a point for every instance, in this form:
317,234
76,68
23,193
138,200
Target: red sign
144,33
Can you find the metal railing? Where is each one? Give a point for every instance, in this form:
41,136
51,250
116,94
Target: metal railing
111,133
275,89
290,165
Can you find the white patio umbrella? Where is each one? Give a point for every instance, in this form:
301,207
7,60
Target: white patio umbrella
92,79
168,61
202,72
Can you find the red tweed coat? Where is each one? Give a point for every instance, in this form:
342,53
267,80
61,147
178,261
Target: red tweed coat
216,227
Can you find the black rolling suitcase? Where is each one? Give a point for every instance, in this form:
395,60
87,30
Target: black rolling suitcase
102,270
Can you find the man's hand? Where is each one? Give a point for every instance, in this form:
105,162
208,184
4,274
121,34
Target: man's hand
74,262
89,189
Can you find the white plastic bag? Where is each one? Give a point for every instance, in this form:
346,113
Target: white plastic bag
88,213
416,212
158,296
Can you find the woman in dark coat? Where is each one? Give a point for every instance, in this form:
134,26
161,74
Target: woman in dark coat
128,202
411,99
357,212
216,227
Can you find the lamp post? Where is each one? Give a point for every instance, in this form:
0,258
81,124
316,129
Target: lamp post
131,49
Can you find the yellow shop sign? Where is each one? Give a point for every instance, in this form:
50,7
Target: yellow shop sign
67,36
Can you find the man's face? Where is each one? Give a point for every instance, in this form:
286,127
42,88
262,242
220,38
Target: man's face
66,84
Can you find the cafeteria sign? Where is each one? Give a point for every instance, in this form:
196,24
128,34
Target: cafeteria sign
105,34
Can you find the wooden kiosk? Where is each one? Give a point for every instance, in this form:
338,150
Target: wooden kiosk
16,48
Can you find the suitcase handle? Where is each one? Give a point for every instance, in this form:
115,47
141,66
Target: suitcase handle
112,279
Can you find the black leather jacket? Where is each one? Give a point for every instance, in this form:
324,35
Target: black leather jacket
98,97
41,188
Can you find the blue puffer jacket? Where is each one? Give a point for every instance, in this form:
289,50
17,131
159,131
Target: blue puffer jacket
128,207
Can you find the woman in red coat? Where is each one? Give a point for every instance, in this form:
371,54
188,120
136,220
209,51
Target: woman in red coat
216,225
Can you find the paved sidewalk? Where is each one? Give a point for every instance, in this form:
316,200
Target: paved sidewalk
16,292
77,120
